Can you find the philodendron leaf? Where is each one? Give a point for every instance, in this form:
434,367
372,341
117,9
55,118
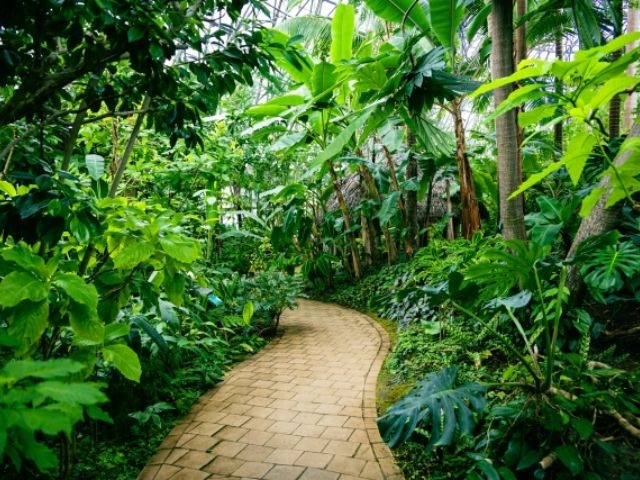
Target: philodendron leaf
518,300
95,165
124,359
436,403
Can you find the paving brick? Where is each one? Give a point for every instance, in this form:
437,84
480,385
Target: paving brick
372,470
190,474
281,440
234,420
201,442
254,453
227,448
332,420
317,474
314,431
309,444
166,471
223,465
339,447
231,433
314,459
284,472
283,427
256,437
252,469
283,456
347,465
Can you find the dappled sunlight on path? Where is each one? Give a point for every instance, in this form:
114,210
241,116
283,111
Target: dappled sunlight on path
301,409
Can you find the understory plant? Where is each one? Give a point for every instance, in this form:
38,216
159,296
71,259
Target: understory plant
554,409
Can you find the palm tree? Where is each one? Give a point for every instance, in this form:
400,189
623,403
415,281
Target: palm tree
511,210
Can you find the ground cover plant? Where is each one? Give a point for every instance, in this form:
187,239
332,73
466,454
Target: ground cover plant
172,175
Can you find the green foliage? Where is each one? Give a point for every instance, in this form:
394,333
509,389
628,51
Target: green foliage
436,403
42,398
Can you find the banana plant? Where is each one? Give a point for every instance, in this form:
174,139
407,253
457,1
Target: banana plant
440,22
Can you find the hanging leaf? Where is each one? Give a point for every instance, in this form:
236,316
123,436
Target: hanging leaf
415,13
19,286
342,30
247,312
446,16
124,359
95,165
388,209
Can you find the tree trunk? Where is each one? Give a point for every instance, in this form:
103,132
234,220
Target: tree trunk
521,32
558,129
633,21
451,234
511,210
346,216
411,201
392,250
615,106
366,224
469,202
600,220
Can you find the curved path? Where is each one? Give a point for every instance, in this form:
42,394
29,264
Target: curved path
303,408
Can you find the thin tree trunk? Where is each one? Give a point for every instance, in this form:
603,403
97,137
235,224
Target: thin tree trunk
521,32
633,22
520,53
75,127
615,106
511,210
558,128
346,216
600,220
392,249
411,201
469,202
450,231
129,148
366,225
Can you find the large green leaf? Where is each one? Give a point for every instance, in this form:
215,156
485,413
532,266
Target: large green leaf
85,323
414,12
95,165
49,369
73,393
340,141
436,403
133,254
446,16
323,81
342,30
183,249
19,286
23,257
27,322
124,359
77,289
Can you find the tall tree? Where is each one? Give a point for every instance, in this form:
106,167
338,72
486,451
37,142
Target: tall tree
511,210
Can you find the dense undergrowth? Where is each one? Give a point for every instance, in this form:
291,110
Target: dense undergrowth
474,342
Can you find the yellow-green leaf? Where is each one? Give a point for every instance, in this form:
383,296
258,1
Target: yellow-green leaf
124,359
19,286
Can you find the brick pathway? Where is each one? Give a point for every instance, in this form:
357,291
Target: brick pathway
301,409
